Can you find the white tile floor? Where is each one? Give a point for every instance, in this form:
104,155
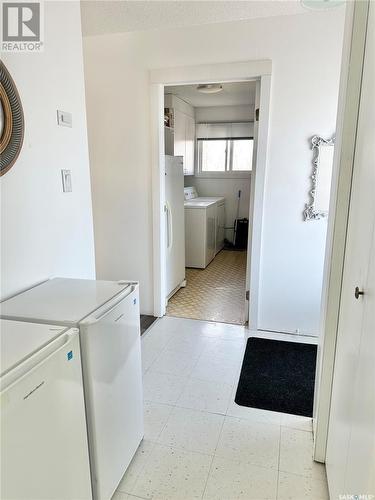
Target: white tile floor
198,443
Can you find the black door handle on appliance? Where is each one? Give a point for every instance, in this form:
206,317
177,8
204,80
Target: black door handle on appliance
358,292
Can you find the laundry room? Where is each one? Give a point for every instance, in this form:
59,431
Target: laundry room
209,144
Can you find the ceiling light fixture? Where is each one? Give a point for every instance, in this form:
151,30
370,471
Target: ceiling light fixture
210,88
321,4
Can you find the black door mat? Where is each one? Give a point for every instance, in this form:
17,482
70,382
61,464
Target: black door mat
146,322
278,376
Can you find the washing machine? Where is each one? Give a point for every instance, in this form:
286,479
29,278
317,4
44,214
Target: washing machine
200,218
191,196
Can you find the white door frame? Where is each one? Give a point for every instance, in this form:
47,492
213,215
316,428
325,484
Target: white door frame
258,183
213,73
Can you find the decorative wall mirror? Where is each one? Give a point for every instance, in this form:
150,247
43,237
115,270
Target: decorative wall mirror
11,121
321,178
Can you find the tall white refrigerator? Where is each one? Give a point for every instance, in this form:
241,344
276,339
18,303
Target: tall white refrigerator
174,224
44,450
107,316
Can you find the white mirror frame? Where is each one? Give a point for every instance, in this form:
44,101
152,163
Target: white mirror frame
310,213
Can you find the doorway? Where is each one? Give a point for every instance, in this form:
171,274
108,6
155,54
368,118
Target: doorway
209,140
221,74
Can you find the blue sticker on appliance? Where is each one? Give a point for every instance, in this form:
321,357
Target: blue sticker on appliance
70,355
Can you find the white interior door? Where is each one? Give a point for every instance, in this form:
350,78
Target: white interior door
360,468
351,437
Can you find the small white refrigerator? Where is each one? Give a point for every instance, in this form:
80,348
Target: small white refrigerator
174,224
44,450
107,316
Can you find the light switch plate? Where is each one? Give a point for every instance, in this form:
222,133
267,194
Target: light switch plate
66,177
64,119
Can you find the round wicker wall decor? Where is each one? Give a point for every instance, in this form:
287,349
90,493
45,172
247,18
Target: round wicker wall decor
11,121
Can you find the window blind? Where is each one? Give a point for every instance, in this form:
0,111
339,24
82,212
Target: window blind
224,130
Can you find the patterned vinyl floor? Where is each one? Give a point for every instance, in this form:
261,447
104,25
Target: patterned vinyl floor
216,293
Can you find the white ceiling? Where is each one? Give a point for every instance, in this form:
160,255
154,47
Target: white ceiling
233,94
108,16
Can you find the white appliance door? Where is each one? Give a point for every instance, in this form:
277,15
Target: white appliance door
44,450
210,233
195,242
175,223
111,358
220,226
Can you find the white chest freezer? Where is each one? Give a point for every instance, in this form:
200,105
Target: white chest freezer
44,449
107,316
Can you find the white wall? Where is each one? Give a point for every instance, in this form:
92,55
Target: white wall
44,231
305,78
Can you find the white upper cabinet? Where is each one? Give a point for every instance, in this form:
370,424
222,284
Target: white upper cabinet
179,135
180,138
189,145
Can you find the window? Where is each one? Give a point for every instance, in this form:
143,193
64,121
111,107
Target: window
242,154
225,155
214,155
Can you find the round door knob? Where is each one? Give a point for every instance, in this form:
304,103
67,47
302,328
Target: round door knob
358,292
